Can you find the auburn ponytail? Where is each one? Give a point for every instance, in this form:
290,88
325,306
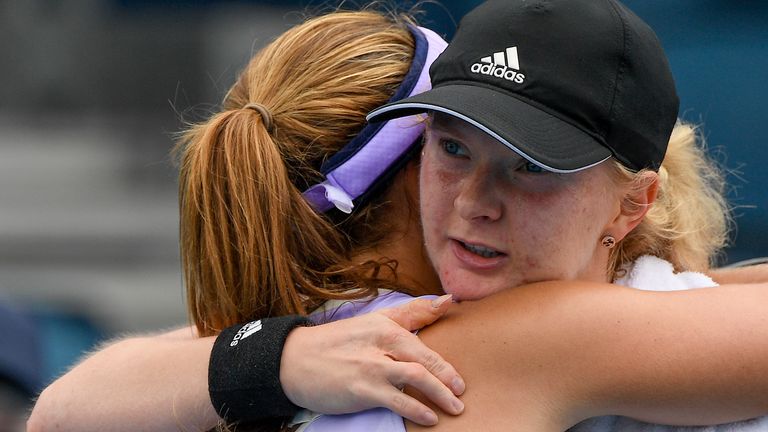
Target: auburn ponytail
251,246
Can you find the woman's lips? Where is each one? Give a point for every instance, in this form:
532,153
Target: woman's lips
475,256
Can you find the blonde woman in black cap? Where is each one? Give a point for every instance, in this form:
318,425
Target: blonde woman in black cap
553,152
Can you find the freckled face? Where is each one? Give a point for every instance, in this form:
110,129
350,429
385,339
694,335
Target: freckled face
492,220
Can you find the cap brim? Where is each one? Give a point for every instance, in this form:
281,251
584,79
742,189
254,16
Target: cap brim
534,134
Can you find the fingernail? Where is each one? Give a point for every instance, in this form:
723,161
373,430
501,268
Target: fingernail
458,386
436,303
429,418
458,406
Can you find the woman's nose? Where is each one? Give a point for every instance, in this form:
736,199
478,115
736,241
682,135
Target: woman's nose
477,199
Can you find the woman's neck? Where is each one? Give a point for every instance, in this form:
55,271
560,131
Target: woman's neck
413,270
405,243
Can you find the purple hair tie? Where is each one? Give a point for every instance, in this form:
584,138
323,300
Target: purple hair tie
356,168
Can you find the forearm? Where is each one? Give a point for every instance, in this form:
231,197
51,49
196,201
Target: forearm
154,383
740,275
553,354
162,382
690,357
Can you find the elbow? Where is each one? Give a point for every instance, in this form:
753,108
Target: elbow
43,416
35,422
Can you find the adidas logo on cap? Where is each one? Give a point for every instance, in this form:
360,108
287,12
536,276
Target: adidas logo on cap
502,64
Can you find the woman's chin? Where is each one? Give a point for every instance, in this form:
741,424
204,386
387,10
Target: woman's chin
469,288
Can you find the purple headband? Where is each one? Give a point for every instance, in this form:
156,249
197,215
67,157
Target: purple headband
364,161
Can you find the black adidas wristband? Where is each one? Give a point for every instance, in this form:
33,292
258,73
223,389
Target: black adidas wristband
244,370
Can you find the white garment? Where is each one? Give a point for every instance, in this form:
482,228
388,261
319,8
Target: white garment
651,273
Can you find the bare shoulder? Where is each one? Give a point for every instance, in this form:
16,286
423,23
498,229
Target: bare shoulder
509,347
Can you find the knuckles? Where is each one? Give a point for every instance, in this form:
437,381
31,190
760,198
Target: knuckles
400,402
433,363
396,339
413,372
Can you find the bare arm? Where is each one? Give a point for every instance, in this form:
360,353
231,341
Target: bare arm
576,350
740,275
160,382
140,383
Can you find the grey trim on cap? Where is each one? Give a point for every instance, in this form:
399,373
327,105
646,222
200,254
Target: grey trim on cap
429,107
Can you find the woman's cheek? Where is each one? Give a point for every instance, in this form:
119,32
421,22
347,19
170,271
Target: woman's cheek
435,194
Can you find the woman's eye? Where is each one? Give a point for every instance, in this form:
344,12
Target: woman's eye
532,168
453,148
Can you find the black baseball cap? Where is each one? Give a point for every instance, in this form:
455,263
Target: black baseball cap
564,83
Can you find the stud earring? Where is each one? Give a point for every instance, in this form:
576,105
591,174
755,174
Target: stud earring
608,241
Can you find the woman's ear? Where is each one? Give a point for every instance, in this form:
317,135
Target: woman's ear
640,196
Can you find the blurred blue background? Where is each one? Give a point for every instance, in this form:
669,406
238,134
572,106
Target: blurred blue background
91,92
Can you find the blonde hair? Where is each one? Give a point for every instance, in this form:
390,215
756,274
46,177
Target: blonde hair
251,246
688,224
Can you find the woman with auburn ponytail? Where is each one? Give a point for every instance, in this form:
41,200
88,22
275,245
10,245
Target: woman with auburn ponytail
292,206
251,245
254,246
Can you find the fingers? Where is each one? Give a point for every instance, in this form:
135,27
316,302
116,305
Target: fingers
409,408
418,313
417,365
418,377
372,357
406,347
